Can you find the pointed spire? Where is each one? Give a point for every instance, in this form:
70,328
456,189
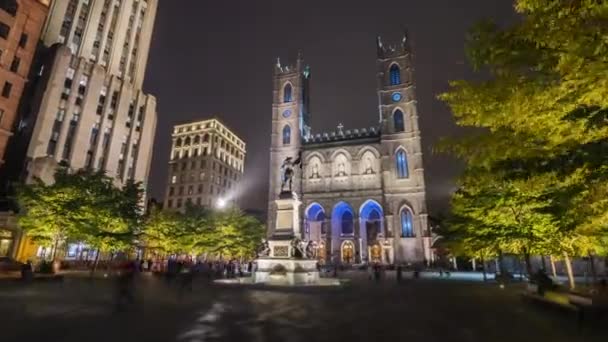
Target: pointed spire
279,62
379,46
405,40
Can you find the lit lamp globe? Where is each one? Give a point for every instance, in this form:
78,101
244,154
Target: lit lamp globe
221,203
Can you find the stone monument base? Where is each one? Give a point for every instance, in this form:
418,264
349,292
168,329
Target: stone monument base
286,271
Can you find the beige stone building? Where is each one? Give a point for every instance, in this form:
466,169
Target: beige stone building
90,110
21,22
362,190
86,107
206,165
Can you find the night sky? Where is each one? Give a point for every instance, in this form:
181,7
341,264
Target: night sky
215,58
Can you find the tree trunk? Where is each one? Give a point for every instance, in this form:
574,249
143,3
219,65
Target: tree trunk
95,263
527,261
455,264
501,263
569,269
593,271
543,263
483,269
473,264
553,270
55,249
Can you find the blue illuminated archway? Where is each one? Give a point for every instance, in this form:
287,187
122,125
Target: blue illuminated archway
315,212
343,219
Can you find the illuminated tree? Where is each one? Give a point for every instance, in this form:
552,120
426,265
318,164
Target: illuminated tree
543,147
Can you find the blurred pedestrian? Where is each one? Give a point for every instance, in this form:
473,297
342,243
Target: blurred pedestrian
399,273
125,285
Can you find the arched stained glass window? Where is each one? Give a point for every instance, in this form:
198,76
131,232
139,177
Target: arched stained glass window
287,93
401,161
398,121
286,135
395,74
407,226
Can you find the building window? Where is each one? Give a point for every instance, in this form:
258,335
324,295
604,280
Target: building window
407,228
170,203
287,93
4,30
173,179
395,74
6,90
15,64
23,40
286,135
398,121
401,161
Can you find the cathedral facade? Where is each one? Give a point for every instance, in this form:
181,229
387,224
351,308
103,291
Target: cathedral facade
362,191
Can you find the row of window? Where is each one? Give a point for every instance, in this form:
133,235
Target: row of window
394,79
347,221
211,124
341,165
197,139
179,203
200,189
214,178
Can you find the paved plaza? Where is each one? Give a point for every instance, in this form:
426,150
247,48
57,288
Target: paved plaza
424,310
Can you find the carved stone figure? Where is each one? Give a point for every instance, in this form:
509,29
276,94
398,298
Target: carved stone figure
264,249
287,171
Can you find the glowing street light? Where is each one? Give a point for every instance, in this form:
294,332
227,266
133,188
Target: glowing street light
221,203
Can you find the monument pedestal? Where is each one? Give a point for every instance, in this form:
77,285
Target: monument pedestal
280,267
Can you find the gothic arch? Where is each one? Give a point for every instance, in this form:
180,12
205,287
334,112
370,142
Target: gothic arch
401,163
287,92
313,155
367,148
286,135
406,225
394,72
398,120
342,219
314,167
369,161
314,211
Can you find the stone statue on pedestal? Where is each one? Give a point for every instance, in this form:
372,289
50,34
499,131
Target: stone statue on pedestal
287,171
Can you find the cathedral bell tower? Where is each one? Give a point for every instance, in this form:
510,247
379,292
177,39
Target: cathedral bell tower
290,123
403,172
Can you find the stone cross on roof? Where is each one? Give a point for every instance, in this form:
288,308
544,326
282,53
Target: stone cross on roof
340,128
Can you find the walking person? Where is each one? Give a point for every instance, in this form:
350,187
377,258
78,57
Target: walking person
125,289
399,273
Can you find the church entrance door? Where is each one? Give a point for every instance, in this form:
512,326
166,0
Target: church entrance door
376,253
348,252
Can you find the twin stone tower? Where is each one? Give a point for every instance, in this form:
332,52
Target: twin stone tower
352,195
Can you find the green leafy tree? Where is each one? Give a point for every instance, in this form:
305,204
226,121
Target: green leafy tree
199,230
82,206
543,112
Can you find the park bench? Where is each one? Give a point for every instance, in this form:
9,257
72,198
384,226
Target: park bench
590,307
587,309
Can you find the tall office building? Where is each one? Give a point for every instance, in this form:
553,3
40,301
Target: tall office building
85,107
20,26
206,165
89,110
